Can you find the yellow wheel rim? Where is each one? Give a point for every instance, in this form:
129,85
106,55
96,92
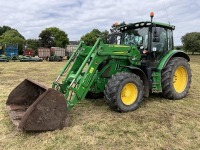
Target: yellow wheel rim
180,79
129,93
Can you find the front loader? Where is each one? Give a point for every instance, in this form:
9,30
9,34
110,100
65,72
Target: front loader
138,61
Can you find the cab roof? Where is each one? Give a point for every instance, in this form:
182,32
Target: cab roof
146,24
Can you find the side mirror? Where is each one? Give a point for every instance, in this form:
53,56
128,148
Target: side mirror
156,39
156,34
114,38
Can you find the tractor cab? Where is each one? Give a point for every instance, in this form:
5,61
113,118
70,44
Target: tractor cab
153,39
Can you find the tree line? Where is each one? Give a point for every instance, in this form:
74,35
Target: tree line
191,42
55,37
49,37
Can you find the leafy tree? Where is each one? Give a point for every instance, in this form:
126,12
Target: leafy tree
180,47
4,29
46,39
191,42
53,36
14,37
91,37
104,36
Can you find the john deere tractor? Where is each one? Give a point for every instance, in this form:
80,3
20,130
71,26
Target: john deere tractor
141,60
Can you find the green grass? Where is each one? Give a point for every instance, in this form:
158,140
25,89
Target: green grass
158,123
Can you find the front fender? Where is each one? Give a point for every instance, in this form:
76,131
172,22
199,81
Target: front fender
142,76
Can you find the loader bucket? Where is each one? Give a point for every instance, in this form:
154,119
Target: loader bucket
34,107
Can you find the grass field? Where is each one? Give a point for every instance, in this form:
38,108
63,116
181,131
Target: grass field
158,124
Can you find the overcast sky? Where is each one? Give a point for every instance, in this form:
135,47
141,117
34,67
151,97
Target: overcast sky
77,17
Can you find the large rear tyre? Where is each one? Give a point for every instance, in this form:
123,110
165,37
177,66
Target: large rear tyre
176,78
124,92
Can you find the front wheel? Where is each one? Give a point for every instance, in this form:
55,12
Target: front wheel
124,92
176,78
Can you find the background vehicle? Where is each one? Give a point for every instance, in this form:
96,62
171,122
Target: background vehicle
29,58
4,58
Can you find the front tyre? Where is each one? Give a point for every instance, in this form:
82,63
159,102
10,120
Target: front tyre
176,78
124,92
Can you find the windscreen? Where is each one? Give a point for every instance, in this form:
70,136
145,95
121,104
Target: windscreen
138,37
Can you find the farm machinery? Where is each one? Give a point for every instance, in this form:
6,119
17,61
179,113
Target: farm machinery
138,61
30,59
4,58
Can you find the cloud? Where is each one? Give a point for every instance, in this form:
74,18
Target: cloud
78,17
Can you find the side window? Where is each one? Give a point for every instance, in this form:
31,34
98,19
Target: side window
159,39
163,39
170,39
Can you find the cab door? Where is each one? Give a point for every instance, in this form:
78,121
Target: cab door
159,43
162,42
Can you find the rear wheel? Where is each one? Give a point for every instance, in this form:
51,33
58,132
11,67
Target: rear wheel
176,78
124,92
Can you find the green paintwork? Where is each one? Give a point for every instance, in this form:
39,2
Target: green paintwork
156,84
90,67
156,75
164,25
165,59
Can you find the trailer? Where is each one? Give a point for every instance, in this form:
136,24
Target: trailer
44,52
28,52
70,49
58,51
57,54
11,51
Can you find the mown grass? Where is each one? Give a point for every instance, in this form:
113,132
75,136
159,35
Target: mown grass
158,124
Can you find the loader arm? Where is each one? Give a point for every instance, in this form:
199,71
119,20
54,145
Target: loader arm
81,70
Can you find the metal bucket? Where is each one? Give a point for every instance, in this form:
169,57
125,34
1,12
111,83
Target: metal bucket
34,107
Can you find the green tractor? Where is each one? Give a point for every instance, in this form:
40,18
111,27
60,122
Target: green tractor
140,61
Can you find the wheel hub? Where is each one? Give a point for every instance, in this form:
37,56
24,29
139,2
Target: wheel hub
180,79
129,93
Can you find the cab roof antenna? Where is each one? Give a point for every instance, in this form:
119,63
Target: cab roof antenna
166,11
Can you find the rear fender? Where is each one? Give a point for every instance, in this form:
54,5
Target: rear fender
169,55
